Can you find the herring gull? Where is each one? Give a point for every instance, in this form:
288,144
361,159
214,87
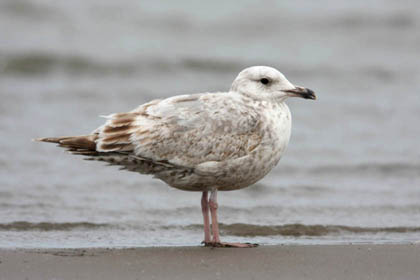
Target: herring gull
206,142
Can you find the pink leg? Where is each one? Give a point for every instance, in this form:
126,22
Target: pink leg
215,226
205,210
213,209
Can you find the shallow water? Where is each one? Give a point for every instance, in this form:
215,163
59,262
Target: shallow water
352,169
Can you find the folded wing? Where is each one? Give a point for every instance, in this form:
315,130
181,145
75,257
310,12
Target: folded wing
183,130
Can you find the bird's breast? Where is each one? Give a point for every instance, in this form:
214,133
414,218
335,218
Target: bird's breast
276,133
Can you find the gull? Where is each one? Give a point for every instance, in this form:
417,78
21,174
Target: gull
205,142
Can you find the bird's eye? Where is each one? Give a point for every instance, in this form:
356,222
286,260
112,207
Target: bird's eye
264,81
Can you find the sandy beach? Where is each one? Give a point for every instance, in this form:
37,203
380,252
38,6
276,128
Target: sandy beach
265,262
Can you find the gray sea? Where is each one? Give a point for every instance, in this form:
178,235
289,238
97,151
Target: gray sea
351,173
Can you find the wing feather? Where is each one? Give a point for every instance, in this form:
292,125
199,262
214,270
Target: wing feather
184,130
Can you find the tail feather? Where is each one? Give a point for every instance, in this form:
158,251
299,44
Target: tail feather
85,145
84,142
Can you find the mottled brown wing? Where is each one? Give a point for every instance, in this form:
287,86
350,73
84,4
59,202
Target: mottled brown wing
116,135
183,130
82,145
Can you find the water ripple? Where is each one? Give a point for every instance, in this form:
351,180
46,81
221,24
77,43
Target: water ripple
48,226
297,230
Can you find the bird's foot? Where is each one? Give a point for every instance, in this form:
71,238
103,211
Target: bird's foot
229,245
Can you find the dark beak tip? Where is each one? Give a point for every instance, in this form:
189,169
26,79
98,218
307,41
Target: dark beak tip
305,93
310,94
312,97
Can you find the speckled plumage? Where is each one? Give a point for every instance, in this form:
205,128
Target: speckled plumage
224,140
220,140
201,142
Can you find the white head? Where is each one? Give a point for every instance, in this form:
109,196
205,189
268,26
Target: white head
263,82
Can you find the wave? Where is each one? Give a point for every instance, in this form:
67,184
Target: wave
47,226
41,63
296,230
237,229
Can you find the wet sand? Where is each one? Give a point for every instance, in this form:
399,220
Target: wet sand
265,262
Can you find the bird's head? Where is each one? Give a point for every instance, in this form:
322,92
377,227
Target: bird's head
263,82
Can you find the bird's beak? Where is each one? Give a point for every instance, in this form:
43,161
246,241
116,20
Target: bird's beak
301,92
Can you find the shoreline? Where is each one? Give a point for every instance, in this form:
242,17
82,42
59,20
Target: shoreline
361,261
